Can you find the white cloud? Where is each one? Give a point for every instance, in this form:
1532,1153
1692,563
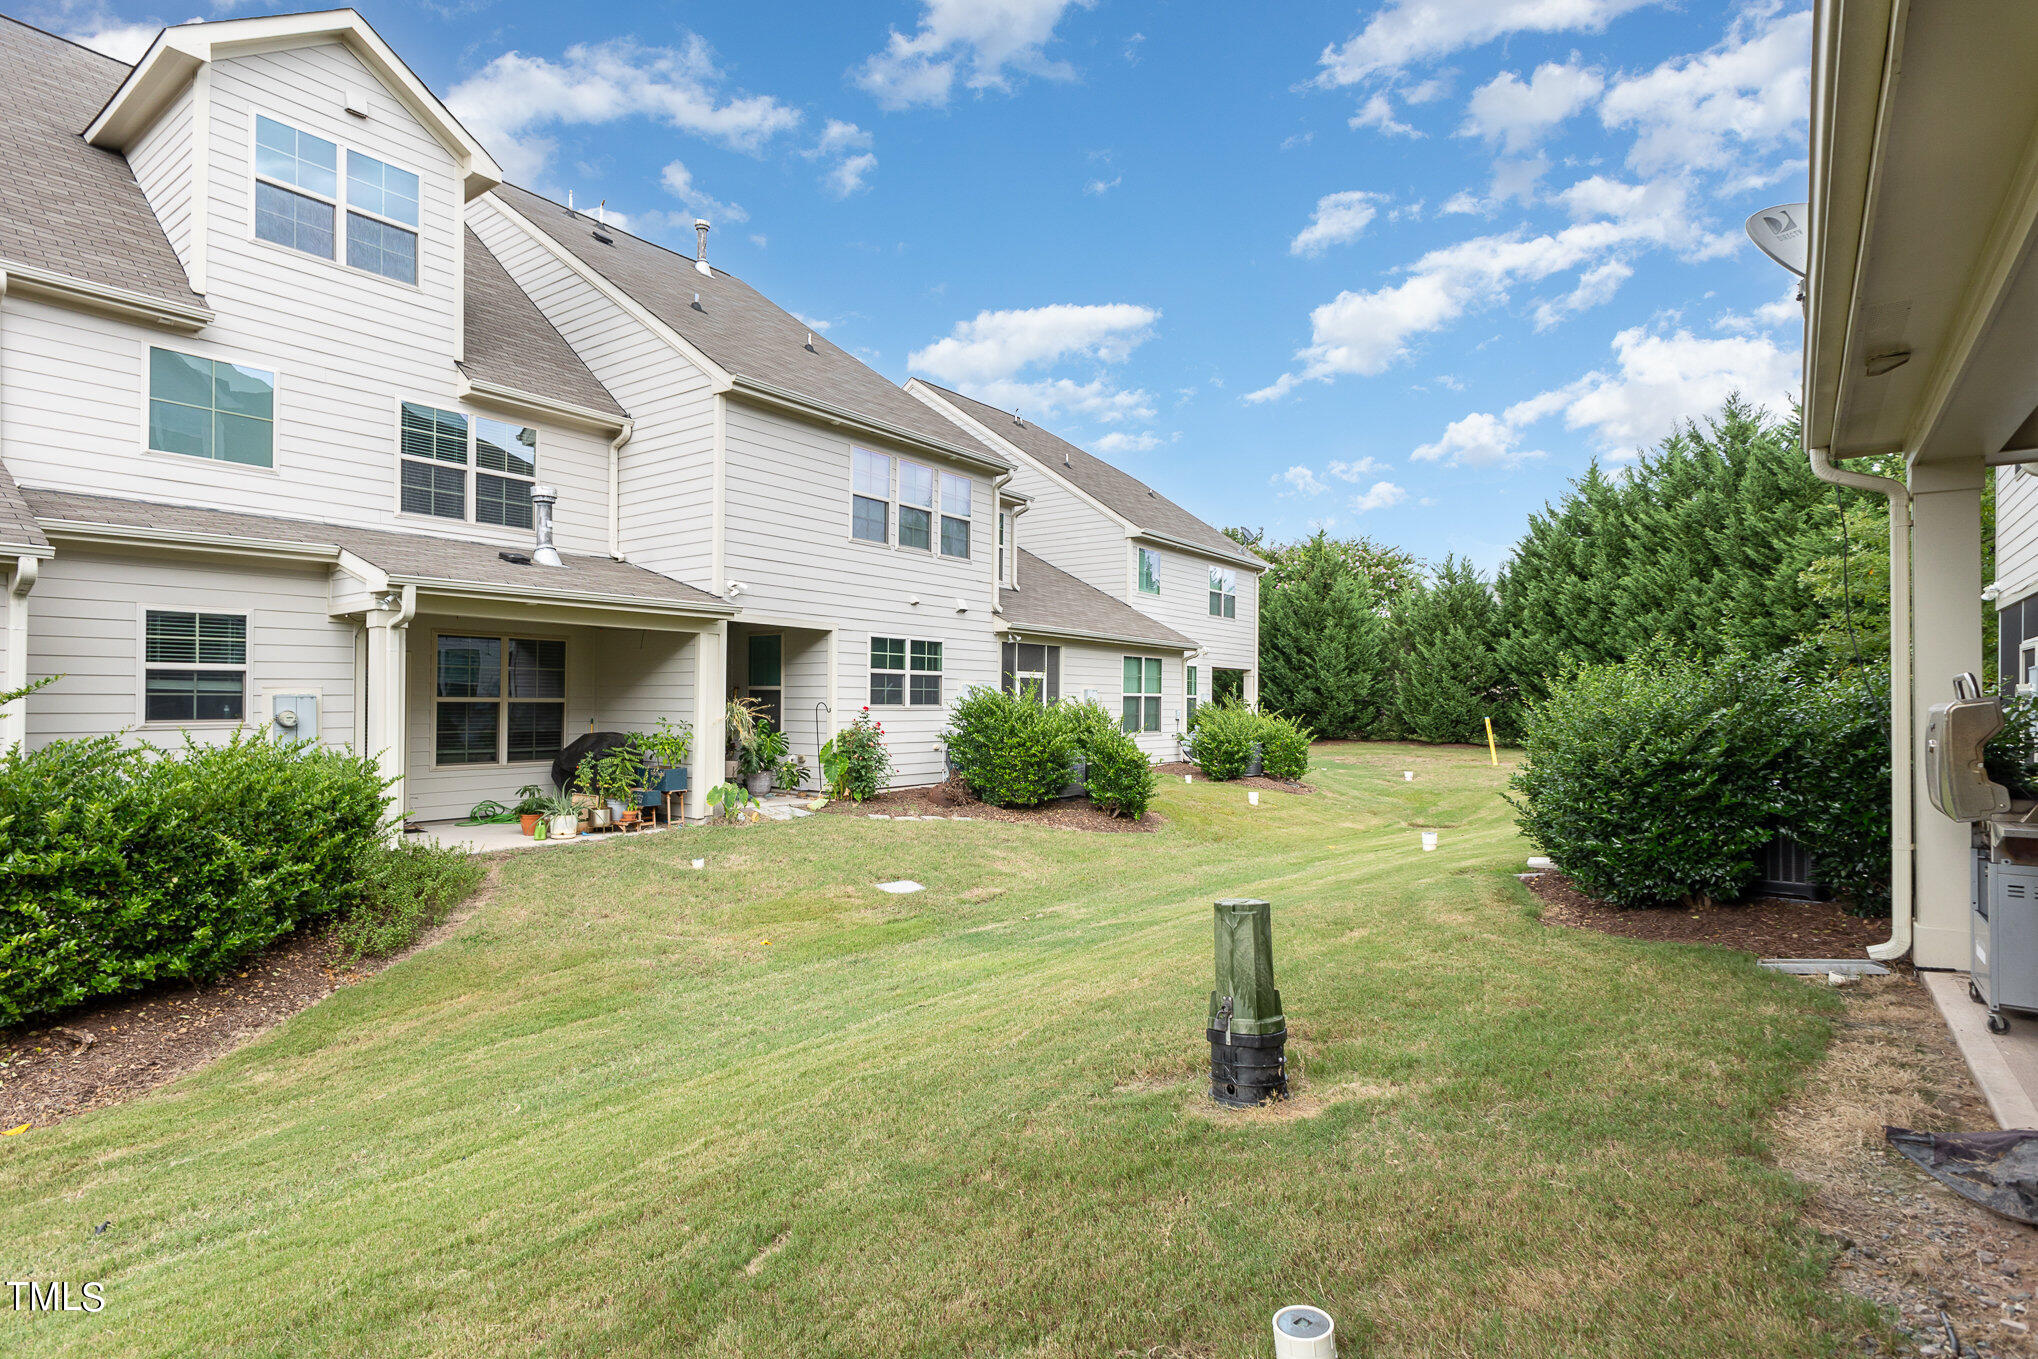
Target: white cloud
1658,381
1596,287
1100,187
1352,471
999,344
1402,33
678,181
1378,112
839,137
1118,441
813,323
511,102
1379,496
1339,217
1478,440
1299,480
1519,114
849,147
1710,110
849,175
1363,332
124,42
985,43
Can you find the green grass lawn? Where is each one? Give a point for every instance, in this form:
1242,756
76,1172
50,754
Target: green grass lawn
767,1109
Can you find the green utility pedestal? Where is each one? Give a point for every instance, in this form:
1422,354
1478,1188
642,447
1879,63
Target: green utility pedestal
1248,1033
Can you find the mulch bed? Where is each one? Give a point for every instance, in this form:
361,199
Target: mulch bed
1769,927
1174,769
116,1049
953,798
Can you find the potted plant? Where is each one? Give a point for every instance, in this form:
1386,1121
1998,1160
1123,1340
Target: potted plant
758,761
792,771
618,774
665,753
531,801
562,818
739,721
732,800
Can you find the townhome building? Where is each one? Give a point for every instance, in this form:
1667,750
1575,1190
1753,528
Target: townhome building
311,424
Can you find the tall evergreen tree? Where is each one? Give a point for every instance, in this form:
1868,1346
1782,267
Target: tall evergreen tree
1449,678
1324,652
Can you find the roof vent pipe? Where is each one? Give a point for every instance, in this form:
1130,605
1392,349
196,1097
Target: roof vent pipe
700,258
543,498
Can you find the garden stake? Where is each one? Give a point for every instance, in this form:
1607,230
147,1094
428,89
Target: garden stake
1492,750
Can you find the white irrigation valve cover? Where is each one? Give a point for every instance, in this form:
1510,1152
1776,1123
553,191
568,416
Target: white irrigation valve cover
901,887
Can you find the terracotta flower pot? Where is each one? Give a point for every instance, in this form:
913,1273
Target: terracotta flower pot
529,821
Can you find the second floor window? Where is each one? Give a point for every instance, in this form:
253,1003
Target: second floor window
439,448
208,409
1223,593
954,515
300,195
1149,571
1004,547
870,498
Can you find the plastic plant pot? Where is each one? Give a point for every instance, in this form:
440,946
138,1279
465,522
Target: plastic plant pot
1429,841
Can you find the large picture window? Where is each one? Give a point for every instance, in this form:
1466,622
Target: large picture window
208,409
905,672
195,666
436,451
299,195
1142,705
499,700
1223,593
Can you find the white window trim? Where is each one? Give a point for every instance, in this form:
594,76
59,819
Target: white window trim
141,669
199,349
1139,555
1007,547
502,760
473,468
932,552
899,505
340,207
942,516
906,673
1228,579
1157,695
2027,661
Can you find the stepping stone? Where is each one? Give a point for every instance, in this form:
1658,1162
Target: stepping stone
877,816
901,887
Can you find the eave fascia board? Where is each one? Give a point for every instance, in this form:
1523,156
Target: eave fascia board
178,51
1244,559
544,407
718,377
764,394
131,535
1076,635
544,592
47,285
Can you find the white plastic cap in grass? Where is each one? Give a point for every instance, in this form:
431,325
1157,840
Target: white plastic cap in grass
1252,797
1429,841
1303,1332
1408,775
700,863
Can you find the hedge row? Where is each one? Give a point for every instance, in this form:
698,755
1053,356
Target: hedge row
1225,734
1015,752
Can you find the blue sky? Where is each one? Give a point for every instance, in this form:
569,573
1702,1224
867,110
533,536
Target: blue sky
1401,268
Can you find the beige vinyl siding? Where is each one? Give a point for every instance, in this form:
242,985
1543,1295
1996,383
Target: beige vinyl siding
162,162
2016,534
1065,530
1184,605
85,622
667,468
789,543
1096,667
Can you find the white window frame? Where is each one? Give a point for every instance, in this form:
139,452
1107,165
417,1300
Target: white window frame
340,205
890,497
932,509
1150,699
1006,547
1224,588
501,700
941,515
142,666
1189,689
471,470
910,669
207,351
1139,556
2027,667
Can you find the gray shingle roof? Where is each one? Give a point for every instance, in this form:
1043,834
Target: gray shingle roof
1051,600
509,341
413,555
18,528
1123,494
65,206
746,333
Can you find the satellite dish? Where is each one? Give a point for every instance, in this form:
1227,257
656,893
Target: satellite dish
1779,233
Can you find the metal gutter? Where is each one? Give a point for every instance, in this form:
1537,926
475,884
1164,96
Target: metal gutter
48,285
768,395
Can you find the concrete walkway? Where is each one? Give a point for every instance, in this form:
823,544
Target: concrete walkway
2005,1066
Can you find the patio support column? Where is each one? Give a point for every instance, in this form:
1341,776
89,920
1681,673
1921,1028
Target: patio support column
1252,688
388,703
14,655
1946,640
710,698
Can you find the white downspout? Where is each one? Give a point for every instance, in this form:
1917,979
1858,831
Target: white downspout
14,672
1901,756
615,483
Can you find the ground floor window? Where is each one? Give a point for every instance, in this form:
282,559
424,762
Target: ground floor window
1142,710
499,700
1190,687
195,666
1034,669
905,671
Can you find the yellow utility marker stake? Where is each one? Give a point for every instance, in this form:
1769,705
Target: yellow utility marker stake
1492,750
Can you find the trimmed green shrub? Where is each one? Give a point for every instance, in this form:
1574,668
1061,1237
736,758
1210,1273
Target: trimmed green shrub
1222,744
1660,780
1284,746
400,892
1117,775
120,866
1011,751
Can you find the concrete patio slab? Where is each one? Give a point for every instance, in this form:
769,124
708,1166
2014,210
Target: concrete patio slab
2005,1066
507,835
